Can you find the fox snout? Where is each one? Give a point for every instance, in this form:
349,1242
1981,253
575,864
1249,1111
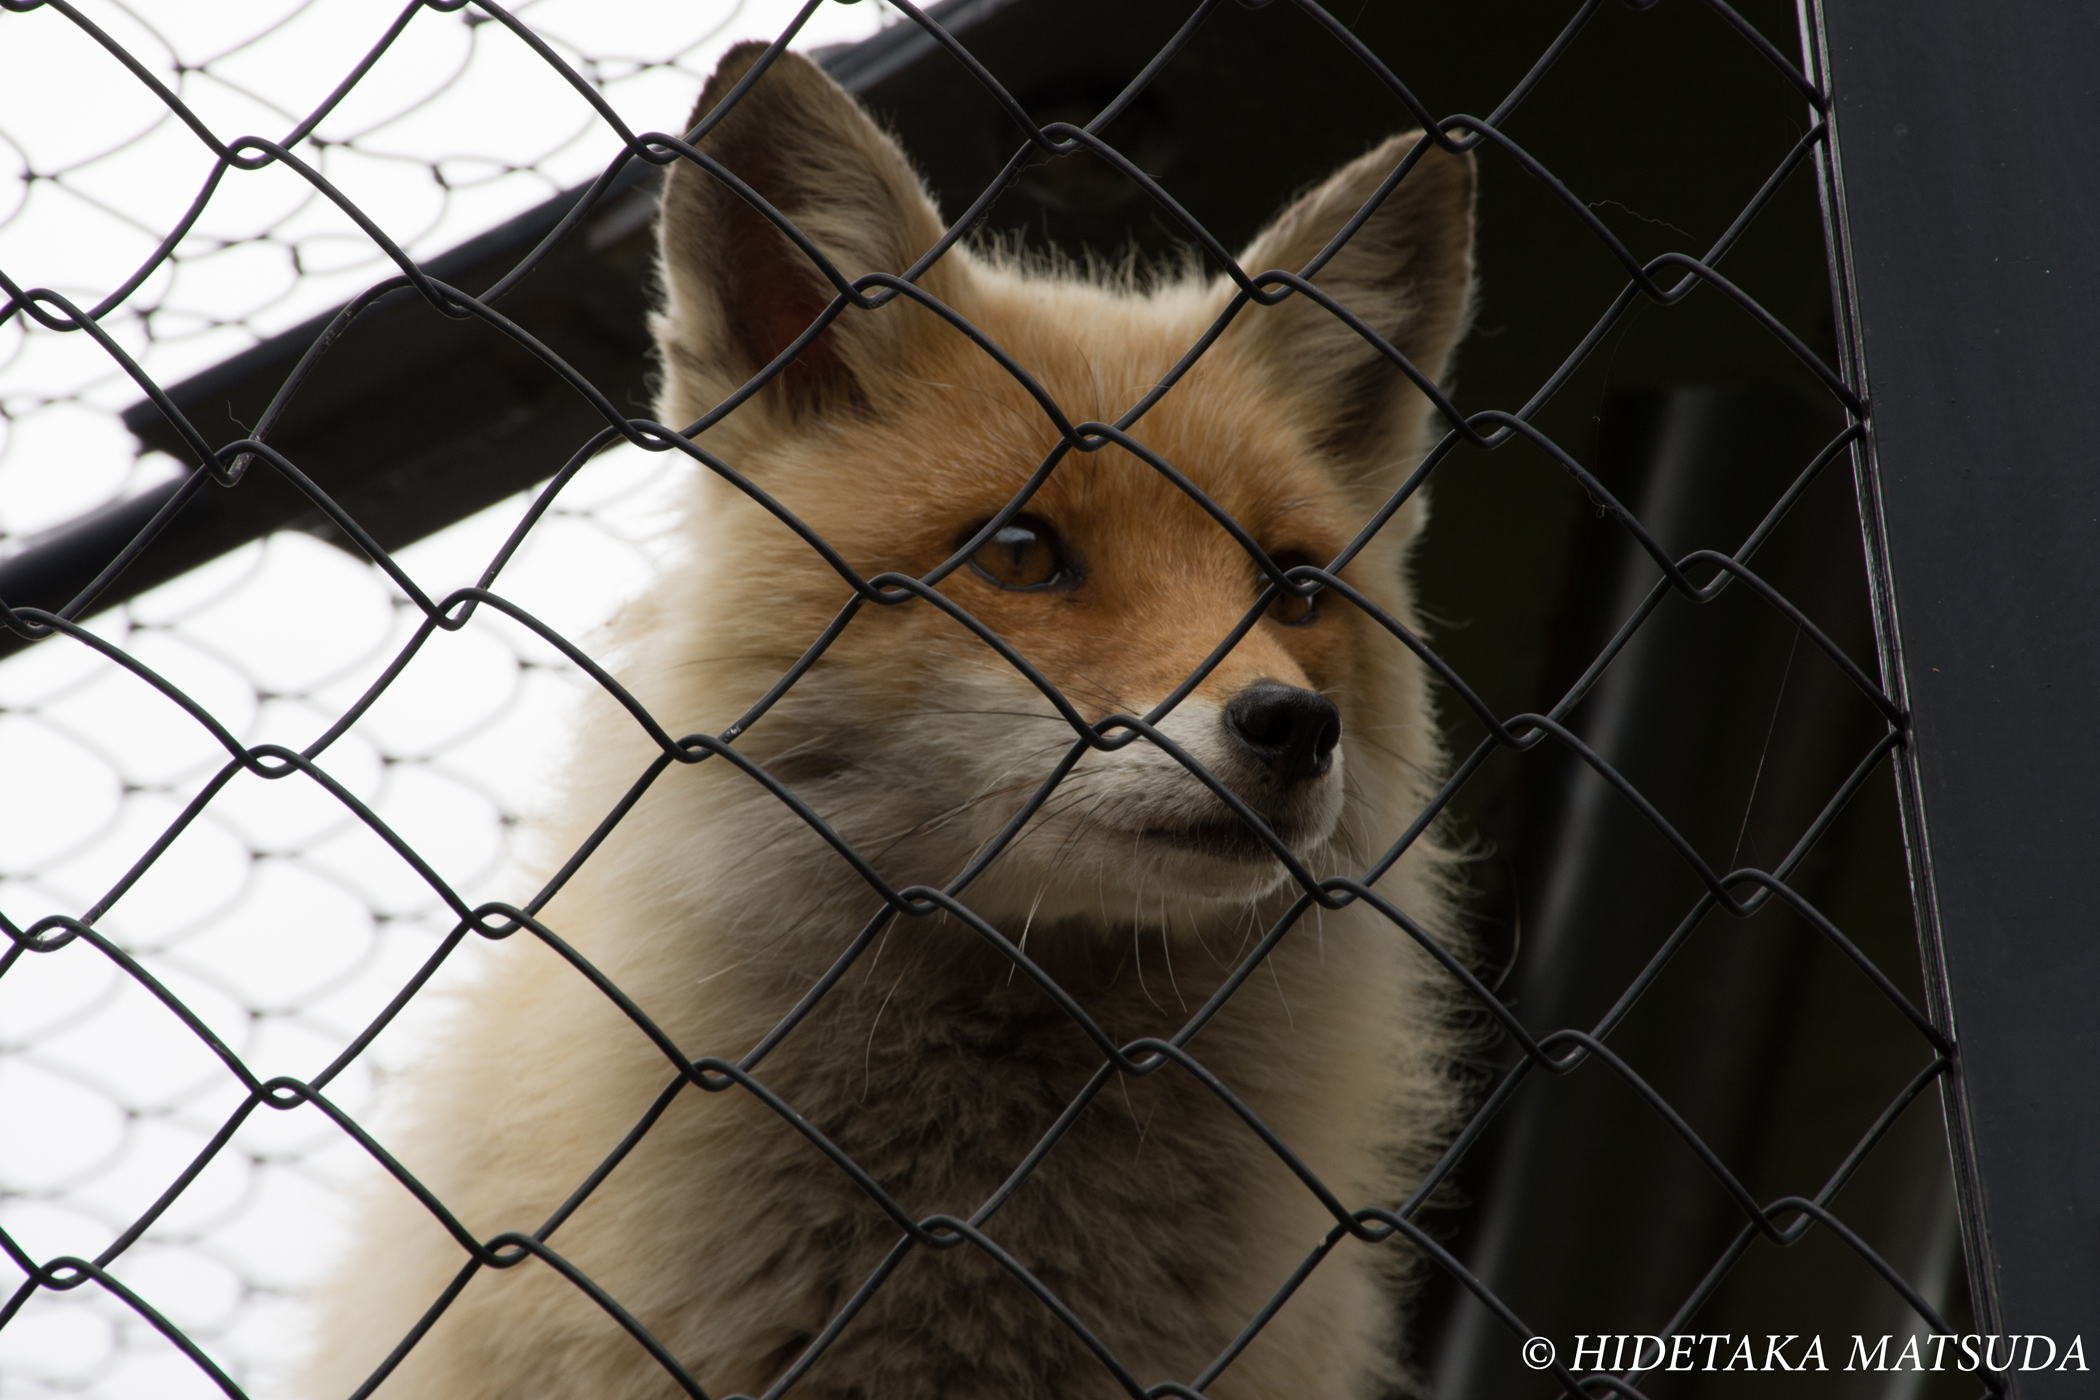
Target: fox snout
1291,732
1276,748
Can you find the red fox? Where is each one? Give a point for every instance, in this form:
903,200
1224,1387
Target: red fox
1159,1218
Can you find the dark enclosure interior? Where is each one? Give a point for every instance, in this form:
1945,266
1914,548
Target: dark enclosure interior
1580,1207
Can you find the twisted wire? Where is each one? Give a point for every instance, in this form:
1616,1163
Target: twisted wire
1697,578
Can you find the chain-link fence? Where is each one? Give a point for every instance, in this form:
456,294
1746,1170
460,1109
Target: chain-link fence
105,1098
251,809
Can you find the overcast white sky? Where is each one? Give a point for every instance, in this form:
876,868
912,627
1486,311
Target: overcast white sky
458,126
282,923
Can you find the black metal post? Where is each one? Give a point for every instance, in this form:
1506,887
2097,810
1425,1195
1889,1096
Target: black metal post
1965,220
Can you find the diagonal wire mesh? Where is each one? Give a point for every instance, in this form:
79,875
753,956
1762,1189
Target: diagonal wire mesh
103,1096
326,734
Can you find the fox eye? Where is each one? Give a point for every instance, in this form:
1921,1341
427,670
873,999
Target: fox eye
1290,611
1024,555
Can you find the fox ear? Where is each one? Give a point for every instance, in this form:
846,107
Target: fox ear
1407,273
737,291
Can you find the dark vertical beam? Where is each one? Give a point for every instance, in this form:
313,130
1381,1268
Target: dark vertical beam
1966,231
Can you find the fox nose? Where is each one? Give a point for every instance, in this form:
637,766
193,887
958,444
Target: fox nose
1292,731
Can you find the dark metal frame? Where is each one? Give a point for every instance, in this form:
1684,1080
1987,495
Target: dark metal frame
1963,228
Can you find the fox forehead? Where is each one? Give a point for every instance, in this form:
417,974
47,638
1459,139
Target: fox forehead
902,485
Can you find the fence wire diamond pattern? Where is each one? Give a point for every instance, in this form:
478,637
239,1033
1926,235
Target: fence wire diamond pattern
327,734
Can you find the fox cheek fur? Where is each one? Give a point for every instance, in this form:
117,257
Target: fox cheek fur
1159,1217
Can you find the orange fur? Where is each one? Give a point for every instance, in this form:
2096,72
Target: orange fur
1159,1218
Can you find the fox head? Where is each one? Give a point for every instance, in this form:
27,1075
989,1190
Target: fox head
896,437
